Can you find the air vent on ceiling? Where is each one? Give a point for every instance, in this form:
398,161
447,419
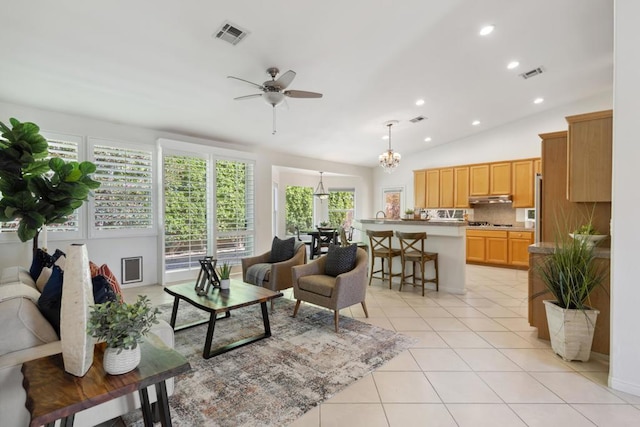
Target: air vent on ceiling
231,33
532,73
418,119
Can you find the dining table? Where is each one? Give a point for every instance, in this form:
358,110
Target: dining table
323,236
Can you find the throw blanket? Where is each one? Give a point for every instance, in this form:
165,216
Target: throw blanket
257,272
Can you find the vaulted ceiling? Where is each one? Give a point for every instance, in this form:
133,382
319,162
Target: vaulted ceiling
157,64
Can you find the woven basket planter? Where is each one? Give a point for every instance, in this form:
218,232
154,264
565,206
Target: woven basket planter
120,363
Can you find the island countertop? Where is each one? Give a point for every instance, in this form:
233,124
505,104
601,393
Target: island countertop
546,248
414,222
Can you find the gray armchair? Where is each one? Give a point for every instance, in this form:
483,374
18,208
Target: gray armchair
277,275
310,284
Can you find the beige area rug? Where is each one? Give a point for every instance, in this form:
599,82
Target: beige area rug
276,380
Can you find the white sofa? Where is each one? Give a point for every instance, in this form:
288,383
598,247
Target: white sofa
27,335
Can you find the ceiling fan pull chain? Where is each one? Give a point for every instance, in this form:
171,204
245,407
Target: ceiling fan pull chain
274,121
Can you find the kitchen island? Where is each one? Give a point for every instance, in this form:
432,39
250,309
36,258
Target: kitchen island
447,238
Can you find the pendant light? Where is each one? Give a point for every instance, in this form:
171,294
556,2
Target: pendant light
320,192
389,160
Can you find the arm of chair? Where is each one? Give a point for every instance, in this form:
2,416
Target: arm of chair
281,271
249,261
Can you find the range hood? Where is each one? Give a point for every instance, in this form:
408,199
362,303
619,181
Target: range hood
483,200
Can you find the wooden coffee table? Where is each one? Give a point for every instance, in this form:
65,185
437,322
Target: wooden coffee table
219,301
53,394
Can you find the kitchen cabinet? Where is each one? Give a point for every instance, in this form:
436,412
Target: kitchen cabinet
519,242
499,247
446,188
589,155
433,188
419,189
461,187
523,182
479,180
537,166
500,178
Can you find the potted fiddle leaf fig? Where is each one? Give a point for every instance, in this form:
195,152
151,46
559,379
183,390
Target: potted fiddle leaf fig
570,274
36,190
121,326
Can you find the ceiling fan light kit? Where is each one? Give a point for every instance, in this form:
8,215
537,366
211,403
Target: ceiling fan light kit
273,91
389,160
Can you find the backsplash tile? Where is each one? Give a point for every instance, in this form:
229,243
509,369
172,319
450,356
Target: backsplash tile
498,213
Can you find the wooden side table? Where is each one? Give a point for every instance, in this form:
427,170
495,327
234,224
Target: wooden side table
53,394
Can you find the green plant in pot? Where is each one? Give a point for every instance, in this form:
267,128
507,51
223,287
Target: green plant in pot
121,326
224,271
38,191
570,274
408,213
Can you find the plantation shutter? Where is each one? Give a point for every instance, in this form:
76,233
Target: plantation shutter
124,199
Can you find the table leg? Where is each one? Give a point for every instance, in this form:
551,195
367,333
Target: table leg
265,319
163,404
174,312
206,353
146,407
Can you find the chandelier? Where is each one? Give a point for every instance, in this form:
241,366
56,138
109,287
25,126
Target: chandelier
389,160
320,192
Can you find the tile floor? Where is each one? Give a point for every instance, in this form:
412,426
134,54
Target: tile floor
476,362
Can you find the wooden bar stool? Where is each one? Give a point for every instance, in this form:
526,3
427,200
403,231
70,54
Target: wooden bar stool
412,250
380,247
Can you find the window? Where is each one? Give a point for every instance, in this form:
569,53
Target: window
298,208
341,207
124,199
185,211
234,210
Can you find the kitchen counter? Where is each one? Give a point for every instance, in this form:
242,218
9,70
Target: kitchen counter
484,227
546,248
447,238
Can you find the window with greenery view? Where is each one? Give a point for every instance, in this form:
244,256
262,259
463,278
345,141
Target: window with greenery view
341,208
298,208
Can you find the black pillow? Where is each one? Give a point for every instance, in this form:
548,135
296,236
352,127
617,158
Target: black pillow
50,300
340,259
281,250
41,259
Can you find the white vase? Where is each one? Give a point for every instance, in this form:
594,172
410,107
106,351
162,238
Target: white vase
571,331
115,363
77,296
225,283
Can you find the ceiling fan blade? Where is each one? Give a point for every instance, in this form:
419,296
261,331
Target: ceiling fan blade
247,81
302,94
285,80
255,95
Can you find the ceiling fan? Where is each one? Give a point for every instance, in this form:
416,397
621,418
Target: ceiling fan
273,91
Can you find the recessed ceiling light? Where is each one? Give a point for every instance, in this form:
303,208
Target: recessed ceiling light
538,100
486,30
475,122
427,139
420,102
513,64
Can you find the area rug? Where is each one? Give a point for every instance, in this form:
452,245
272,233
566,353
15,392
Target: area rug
274,381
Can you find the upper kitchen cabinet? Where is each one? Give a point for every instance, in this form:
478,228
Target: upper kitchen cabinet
419,189
589,157
479,180
523,174
500,178
461,187
433,188
446,187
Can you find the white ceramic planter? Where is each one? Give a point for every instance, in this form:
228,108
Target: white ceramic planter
571,331
225,283
120,363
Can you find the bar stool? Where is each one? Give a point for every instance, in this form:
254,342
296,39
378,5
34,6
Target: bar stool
412,250
380,247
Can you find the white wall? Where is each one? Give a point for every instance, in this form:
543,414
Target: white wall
516,140
625,293
111,250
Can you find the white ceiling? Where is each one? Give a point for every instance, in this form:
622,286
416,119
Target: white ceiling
155,64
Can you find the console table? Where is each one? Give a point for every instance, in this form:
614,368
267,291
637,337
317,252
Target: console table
53,394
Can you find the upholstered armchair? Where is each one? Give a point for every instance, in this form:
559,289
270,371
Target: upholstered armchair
258,270
311,283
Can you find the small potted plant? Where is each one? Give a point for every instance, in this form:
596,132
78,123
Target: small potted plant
408,214
588,234
121,326
570,274
224,271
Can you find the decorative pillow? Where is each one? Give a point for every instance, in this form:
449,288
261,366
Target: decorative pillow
340,259
106,272
281,250
41,259
93,269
